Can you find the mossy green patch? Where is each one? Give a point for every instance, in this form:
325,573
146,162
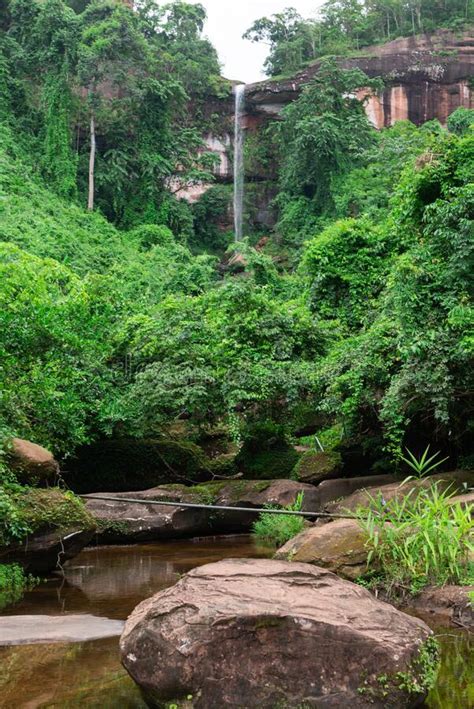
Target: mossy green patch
42,510
315,466
415,681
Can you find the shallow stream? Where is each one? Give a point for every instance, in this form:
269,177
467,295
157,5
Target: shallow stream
109,582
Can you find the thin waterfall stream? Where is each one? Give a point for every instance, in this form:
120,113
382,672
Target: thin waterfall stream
239,93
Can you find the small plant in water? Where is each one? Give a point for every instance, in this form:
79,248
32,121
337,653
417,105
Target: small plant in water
424,465
279,529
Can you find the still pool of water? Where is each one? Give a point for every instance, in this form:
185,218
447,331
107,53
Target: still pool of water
109,582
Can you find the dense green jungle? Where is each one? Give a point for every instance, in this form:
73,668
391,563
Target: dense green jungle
120,322
143,345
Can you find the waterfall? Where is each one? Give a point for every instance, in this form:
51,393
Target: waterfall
239,160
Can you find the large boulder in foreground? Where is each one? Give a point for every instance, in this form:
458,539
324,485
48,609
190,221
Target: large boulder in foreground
338,546
127,522
263,633
32,463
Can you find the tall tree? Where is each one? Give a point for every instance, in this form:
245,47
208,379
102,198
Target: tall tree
322,132
112,50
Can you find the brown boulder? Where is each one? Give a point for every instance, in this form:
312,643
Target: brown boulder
125,522
466,501
262,633
454,481
332,490
32,463
338,546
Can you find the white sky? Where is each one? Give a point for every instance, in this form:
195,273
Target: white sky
227,22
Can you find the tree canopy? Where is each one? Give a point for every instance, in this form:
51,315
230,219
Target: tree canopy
344,26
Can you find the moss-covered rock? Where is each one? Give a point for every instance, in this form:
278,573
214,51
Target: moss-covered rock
126,464
45,528
44,510
316,466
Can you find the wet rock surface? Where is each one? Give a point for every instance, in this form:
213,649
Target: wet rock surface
127,522
35,629
444,606
248,633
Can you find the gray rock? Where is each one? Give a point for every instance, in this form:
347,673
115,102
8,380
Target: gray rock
35,629
43,553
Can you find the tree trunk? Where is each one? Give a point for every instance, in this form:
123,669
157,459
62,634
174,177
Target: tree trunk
90,202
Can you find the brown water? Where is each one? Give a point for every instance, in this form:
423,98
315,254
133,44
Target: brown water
109,582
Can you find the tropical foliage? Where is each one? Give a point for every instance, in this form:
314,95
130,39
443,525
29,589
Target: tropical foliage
120,321
346,26
419,538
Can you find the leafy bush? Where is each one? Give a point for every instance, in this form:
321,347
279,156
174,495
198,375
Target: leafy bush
419,539
346,265
13,583
210,213
27,510
52,356
406,368
13,525
279,529
461,120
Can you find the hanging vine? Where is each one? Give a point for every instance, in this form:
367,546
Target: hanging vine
59,161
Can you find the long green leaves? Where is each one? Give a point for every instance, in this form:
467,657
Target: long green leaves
420,538
424,465
279,529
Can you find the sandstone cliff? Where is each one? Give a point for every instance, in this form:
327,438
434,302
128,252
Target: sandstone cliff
425,77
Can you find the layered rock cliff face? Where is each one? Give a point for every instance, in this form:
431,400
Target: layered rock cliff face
426,77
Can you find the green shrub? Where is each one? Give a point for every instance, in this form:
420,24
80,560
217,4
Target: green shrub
26,510
419,539
279,529
266,454
461,120
13,583
13,525
346,265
